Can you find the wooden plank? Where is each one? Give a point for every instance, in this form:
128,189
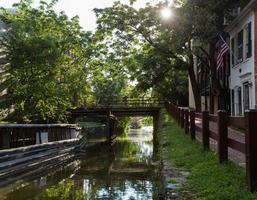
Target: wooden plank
186,121
239,146
49,145
35,162
213,135
198,129
223,136
198,115
206,130
213,118
251,149
36,125
192,125
182,117
50,135
237,122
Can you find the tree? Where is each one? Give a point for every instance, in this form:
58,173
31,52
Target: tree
205,22
200,20
145,45
48,57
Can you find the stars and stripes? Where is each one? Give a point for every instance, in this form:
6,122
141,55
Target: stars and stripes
222,49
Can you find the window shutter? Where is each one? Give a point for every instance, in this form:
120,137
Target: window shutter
240,40
249,52
233,51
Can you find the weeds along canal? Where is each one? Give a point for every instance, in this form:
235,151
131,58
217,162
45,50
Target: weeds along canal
129,170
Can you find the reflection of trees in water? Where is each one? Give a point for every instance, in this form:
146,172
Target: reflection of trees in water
106,185
62,191
101,175
31,189
140,151
88,189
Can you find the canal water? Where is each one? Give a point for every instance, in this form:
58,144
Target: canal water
129,170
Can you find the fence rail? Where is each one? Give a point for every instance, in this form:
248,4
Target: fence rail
248,124
238,122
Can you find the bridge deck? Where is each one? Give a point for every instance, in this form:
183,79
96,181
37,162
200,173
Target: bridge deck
126,107
117,111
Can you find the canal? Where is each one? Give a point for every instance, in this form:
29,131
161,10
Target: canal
130,170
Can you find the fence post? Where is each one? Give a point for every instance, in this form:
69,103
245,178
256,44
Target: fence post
222,136
186,121
205,130
251,149
173,110
170,109
177,114
182,118
192,124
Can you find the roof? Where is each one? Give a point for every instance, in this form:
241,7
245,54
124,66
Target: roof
247,9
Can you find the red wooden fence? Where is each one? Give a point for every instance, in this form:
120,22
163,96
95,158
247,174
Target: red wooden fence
186,119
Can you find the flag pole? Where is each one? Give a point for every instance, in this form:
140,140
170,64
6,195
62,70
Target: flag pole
226,43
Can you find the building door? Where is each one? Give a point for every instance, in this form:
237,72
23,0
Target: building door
246,97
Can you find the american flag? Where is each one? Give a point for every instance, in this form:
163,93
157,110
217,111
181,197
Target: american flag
222,49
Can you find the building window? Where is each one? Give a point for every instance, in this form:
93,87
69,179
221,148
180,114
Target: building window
240,39
248,40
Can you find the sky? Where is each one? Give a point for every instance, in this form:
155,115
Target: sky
82,8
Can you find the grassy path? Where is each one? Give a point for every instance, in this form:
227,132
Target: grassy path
208,179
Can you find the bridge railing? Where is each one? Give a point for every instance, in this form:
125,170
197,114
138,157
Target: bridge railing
129,102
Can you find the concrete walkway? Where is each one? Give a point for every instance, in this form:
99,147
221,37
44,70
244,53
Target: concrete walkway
233,155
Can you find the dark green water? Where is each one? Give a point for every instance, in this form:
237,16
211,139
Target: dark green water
124,172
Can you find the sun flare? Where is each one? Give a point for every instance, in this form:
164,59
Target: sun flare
166,13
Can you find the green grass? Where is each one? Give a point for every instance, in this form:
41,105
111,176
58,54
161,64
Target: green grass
208,179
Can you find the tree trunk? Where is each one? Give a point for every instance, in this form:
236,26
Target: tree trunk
222,92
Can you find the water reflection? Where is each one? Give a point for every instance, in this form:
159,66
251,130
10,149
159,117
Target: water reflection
125,172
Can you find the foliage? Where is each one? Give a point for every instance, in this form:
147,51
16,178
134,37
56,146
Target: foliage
54,65
148,121
208,179
108,87
47,55
206,17
122,126
155,50
62,191
144,46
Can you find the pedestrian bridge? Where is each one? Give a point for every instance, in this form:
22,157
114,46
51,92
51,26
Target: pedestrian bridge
123,107
111,109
